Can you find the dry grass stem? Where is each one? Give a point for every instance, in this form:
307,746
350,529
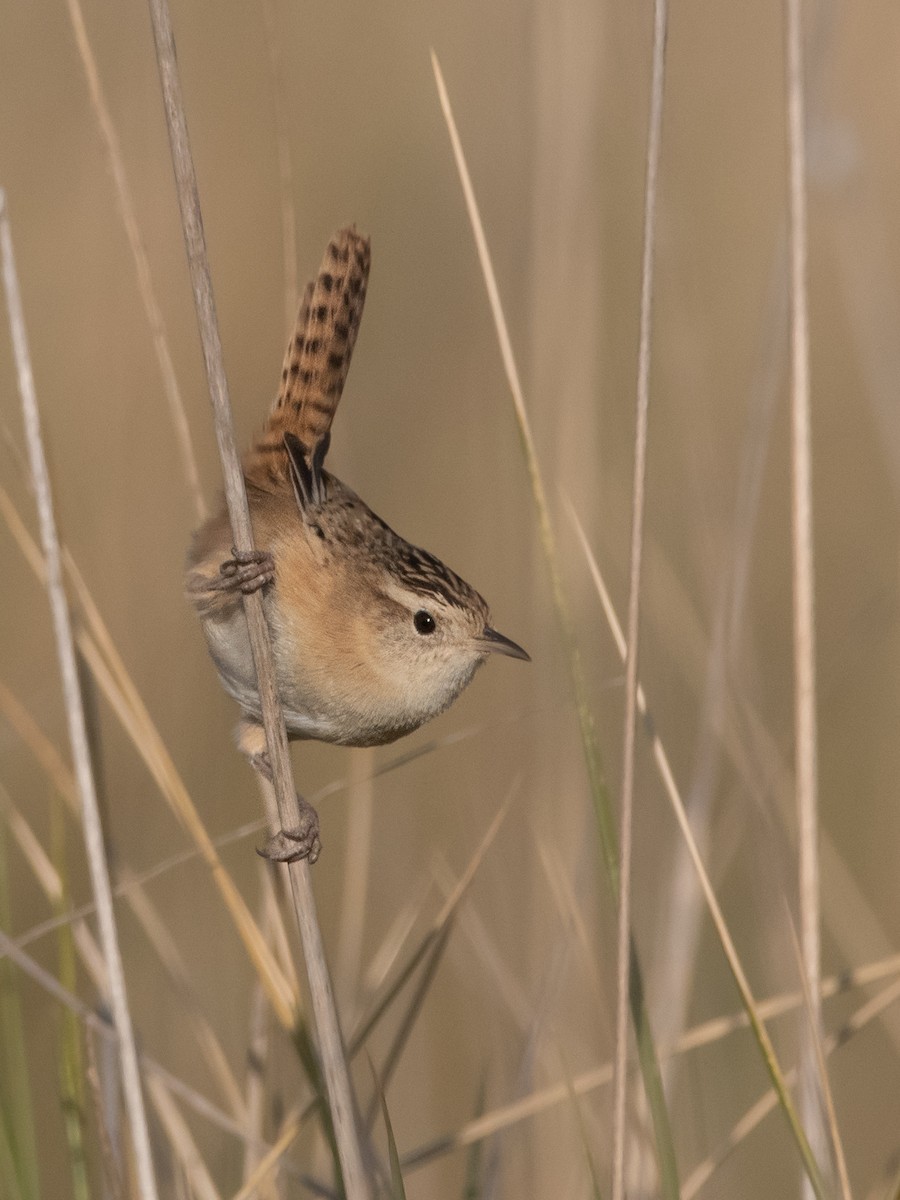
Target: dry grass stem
52,886
666,774
805,729
101,1026
152,309
284,998
268,1162
207,1043
665,1146
408,1019
546,1098
182,1143
626,812
334,1065
448,910
830,1114
867,1012
143,909
78,736
99,652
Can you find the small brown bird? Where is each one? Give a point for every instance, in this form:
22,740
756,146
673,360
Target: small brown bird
371,636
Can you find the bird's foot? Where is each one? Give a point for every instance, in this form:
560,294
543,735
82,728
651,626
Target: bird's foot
302,841
246,571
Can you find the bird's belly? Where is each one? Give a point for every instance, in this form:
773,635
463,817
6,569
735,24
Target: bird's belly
317,704
229,646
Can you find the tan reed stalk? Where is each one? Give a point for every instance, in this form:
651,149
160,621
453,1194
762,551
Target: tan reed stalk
9,948
805,731
181,1141
105,663
78,736
334,1064
623,940
128,886
433,936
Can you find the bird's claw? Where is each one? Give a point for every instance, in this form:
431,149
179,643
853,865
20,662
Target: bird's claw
247,570
292,845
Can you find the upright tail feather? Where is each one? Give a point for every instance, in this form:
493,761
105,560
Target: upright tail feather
317,359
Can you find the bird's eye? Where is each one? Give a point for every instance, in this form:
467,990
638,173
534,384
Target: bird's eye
424,622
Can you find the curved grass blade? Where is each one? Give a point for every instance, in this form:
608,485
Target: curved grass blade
647,1057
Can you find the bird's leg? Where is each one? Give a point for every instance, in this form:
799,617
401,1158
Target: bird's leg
302,839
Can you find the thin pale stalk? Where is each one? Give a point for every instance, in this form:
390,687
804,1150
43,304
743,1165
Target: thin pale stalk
805,732
830,1113
334,1064
268,1163
647,1056
99,652
624,952
667,776
109,1159
181,1142
78,737
139,254
101,1026
50,882
542,509
284,998
19,1158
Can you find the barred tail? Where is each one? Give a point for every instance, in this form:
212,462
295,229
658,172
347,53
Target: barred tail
317,358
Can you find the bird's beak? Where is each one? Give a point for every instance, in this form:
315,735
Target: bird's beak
491,640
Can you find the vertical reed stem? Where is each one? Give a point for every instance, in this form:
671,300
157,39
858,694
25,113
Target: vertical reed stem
78,737
623,977
334,1064
805,734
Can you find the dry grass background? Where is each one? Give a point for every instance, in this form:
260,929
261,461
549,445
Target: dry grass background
551,103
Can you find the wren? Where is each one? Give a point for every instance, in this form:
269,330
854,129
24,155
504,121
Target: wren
371,637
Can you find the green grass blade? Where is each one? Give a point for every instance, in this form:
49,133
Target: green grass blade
754,1017
18,1152
398,1191
306,1052
71,1059
9,1179
472,1189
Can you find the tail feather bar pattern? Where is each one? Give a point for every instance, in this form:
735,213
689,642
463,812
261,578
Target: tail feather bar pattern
317,359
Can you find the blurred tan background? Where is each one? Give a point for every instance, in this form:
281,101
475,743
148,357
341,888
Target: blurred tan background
551,103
